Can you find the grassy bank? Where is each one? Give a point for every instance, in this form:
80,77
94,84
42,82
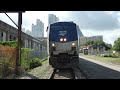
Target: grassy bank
44,62
104,59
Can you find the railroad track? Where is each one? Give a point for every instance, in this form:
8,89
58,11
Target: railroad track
63,74
79,74
73,73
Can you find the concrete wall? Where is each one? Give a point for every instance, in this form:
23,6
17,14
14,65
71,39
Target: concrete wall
9,33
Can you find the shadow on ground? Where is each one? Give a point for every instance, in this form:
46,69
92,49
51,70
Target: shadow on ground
96,71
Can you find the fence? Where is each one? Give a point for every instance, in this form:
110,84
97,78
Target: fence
38,54
27,55
7,60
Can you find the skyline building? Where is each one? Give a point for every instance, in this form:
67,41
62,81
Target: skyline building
52,19
38,29
84,39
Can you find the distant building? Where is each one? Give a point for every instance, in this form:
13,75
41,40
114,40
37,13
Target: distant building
92,49
28,32
33,30
23,29
52,19
38,29
83,39
42,39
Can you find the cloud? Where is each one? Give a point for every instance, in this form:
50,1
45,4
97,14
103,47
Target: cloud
111,36
91,23
95,20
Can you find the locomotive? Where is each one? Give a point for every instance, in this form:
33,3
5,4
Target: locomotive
63,44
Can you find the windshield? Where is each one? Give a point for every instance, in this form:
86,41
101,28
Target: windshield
69,32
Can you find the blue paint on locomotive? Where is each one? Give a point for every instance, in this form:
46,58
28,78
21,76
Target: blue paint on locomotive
66,30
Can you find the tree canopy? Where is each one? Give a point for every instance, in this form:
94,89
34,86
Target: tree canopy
98,43
117,44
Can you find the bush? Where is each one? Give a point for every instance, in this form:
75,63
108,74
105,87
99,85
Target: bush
25,58
106,56
9,43
5,68
35,63
115,55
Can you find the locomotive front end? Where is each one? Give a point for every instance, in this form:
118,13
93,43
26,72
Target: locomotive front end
63,46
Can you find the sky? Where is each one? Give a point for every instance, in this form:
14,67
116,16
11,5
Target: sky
91,23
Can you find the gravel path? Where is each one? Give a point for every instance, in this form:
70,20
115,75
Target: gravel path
42,72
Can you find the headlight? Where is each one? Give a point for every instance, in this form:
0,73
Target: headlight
53,44
64,39
73,44
61,39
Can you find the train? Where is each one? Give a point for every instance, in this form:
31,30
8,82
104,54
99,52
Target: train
63,44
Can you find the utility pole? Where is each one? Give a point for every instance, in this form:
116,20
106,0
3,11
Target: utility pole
18,58
18,54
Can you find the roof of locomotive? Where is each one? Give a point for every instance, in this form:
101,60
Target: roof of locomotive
63,23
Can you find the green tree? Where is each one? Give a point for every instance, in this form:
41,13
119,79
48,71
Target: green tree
117,44
101,43
88,43
95,42
108,46
98,43
92,42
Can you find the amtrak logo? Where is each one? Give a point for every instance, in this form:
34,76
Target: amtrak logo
62,33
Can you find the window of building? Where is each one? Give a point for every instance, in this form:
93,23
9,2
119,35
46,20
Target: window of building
31,45
2,34
10,37
41,47
14,38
